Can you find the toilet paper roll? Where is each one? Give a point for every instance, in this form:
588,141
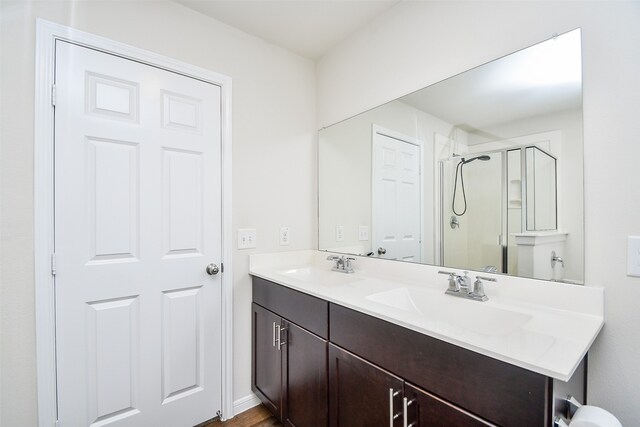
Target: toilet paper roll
593,416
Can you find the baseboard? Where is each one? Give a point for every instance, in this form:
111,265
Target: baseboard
245,403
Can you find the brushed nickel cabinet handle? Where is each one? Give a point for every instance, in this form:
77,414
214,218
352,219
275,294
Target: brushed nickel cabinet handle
273,343
392,415
280,342
405,410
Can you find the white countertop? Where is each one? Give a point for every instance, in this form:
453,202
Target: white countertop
544,327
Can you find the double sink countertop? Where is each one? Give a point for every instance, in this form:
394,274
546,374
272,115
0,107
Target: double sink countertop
544,327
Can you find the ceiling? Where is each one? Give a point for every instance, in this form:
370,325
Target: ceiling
307,27
543,79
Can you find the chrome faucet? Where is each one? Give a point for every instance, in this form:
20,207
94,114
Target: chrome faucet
341,263
460,286
464,283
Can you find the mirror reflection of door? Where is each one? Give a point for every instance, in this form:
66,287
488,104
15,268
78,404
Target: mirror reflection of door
396,196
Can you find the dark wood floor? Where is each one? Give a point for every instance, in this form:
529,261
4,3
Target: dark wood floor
254,417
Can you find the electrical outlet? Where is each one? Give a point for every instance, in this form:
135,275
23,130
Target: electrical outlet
633,256
247,238
339,233
363,233
284,236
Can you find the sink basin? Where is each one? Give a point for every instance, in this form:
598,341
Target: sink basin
319,276
471,316
491,320
402,299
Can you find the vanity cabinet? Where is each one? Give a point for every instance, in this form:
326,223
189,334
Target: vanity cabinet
340,367
289,355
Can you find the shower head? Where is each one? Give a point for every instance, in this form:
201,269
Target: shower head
484,158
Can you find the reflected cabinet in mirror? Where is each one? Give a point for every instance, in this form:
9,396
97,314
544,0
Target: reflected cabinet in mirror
482,171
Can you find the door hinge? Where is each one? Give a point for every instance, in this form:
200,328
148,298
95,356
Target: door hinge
53,95
53,264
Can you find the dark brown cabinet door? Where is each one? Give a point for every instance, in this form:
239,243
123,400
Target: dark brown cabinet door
305,378
502,393
427,410
266,360
360,392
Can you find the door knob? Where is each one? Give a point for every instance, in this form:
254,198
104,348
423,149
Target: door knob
381,251
212,269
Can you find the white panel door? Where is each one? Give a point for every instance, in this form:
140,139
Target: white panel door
137,220
396,197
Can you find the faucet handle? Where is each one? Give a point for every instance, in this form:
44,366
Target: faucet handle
454,286
478,286
348,268
333,258
450,273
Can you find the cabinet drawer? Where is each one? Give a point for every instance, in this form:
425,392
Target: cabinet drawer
499,392
304,310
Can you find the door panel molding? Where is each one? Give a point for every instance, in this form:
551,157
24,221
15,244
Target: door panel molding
47,33
392,160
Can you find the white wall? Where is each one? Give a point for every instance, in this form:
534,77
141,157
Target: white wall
273,156
419,43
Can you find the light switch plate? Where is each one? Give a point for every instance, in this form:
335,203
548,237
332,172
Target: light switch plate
633,256
247,238
339,233
285,236
363,233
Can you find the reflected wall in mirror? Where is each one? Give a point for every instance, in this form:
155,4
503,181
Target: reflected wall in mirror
482,171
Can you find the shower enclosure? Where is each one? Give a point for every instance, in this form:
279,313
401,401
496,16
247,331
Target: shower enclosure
487,197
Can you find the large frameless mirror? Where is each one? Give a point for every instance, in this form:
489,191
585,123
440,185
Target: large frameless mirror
482,171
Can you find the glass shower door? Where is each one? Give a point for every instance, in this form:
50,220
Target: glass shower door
472,212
